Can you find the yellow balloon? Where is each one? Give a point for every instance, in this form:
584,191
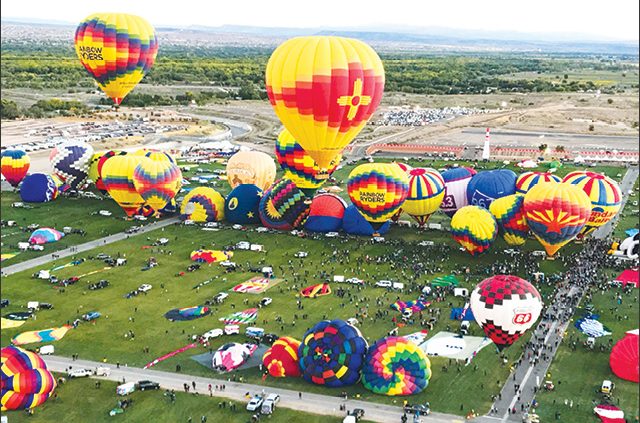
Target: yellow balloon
251,167
117,176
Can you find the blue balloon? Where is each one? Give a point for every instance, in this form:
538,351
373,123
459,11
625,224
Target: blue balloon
38,188
489,185
325,213
354,223
170,209
241,205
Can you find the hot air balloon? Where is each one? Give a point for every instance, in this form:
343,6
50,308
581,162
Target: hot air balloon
202,204
378,190
70,161
396,366
605,196
510,217
624,358
456,181
325,213
38,188
117,176
14,165
155,155
505,307
232,355
93,174
529,179
251,167
332,353
45,236
26,381
103,158
405,167
298,166
488,185
474,228
242,204
426,191
281,359
556,213
284,206
324,90
117,50
354,223
157,182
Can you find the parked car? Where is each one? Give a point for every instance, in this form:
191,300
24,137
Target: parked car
220,297
231,329
145,287
384,284
269,338
269,403
79,373
355,281
102,371
71,280
99,285
255,403
147,384
213,333
102,256
301,254
92,315
4,302
46,306
265,301
419,409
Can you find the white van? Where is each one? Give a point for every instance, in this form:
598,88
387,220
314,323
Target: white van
398,286
338,278
126,388
47,350
243,245
460,292
102,371
33,305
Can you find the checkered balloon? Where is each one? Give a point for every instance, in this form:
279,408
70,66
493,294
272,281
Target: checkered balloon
505,307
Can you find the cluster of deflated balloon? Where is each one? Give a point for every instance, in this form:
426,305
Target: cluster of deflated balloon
334,354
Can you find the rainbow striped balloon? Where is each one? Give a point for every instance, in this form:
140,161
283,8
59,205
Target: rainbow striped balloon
14,165
510,217
284,206
474,228
426,191
117,177
157,181
26,381
528,180
605,196
395,366
202,204
117,50
378,190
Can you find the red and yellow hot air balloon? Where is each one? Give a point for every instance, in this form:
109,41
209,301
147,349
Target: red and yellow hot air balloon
556,213
117,50
26,382
509,214
281,359
474,228
426,191
117,176
378,190
324,90
157,182
15,165
605,196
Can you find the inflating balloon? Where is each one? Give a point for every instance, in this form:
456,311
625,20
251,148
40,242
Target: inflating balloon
528,180
489,185
426,191
14,165
509,214
26,381
157,182
284,206
624,358
202,204
556,213
324,90
45,236
605,196
117,176
456,181
325,213
298,166
155,155
242,204
232,355
378,190
70,162
251,167
38,188
117,50
332,353
354,223
281,359
99,182
505,307
474,228
395,366
210,256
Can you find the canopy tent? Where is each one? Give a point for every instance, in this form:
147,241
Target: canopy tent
447,280
629,276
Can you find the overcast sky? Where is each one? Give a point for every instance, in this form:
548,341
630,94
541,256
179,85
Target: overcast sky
610,19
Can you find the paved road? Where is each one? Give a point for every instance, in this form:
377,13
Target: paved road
311,403
71,251
628,181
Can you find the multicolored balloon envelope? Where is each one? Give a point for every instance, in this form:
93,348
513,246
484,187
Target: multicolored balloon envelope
528,180
157,181
26,381
281,359
242,205
284,206
155,155
117,50
45,235
317,290
426,191
489,185
456,181
624,358
38,188
505,307
378,190
232,355
395,366
324,90
509,214
298,166
354,223
187,313
325,213
251,167
474,228
117,177
332,353
605,196
556,213
70,161
103,158
202,204
14,166
210,256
